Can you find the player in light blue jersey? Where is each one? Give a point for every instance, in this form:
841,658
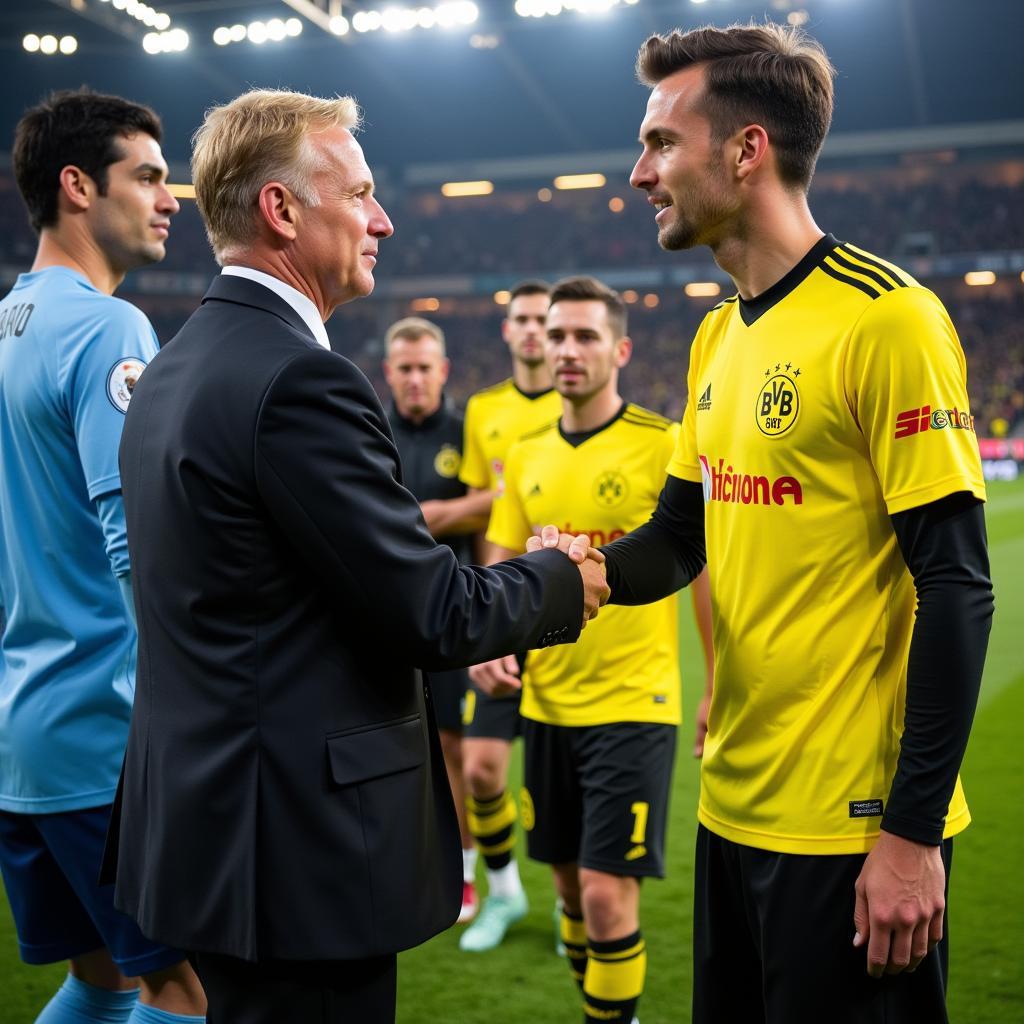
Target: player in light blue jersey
93,178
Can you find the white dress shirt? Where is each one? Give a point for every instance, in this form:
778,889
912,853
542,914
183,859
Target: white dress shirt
302,304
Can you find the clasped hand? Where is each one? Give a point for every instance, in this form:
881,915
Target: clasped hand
500,677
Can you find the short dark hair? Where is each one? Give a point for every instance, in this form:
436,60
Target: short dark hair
589,289
528,288
772,75
73,127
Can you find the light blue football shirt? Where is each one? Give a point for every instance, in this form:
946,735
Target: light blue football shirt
69,360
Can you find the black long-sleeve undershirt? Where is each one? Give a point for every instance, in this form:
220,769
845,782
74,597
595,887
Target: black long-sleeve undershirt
663,555
944,545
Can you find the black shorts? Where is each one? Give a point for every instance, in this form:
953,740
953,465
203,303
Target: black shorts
492,718
448,690
598,795
773,943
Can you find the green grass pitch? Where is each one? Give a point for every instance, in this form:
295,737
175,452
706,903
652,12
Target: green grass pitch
524,982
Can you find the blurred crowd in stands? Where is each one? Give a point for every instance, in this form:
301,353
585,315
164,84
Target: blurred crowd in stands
515,234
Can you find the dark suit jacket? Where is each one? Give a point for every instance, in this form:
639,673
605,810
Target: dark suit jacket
283,794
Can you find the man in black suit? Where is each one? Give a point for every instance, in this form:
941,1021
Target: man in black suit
285,814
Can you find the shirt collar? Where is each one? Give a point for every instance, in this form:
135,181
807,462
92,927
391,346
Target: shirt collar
302,304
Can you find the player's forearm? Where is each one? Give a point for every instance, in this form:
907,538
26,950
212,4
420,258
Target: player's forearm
454,516
663,555
945,547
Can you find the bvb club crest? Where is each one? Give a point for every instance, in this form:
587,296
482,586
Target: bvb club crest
610,489
447,462
778,402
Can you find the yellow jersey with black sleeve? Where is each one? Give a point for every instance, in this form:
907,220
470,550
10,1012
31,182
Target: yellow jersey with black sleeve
816,411
625,666
495,418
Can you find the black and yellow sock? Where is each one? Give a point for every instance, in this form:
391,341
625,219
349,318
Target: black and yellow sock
614,979
492,823
574,937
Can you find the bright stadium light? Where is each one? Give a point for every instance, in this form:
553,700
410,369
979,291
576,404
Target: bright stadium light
293,27
426,18
339,25
152,43
68,45
162,23
48,44
702,289
569,181
276,30
257,33
237,33
974,278
222,35
182,191
502,298
454,189
31,42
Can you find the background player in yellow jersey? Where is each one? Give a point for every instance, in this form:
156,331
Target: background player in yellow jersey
495,417
828,452
599,720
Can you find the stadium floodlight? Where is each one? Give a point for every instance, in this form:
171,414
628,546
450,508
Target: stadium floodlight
293,27
569,181
48,44
237,33
616,204
222,35
702,289
182,191
974,278
455,189
162,23
426,18
339,25
630,296
120,4
177,40
502,298
257,33
276,30
651,300
68,45
152,43
31,42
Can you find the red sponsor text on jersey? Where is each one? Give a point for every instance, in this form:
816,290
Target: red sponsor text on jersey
723,483
914,421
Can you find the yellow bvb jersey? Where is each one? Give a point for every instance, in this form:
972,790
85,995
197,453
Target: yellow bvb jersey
495,418
815,412
625,666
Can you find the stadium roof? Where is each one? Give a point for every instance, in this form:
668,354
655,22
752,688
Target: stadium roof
523,86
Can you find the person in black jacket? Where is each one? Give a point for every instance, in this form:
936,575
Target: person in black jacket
283,811
428,433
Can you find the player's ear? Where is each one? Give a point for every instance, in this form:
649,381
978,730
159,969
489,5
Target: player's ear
623,351
747,150
77,189
278,210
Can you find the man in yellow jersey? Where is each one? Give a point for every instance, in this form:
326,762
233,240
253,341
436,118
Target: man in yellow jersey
599,721
495,417
828,453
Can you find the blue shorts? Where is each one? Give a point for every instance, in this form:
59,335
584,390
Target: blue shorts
50,863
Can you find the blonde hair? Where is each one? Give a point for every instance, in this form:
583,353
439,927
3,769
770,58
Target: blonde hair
260,136
412,328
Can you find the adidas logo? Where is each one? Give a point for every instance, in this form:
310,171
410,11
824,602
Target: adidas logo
535,492
704,402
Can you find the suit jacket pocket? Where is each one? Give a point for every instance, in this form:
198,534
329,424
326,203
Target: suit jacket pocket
372,751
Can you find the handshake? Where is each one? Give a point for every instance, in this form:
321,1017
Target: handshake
500,677
589,561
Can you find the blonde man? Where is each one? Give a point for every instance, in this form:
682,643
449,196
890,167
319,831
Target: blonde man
286,814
